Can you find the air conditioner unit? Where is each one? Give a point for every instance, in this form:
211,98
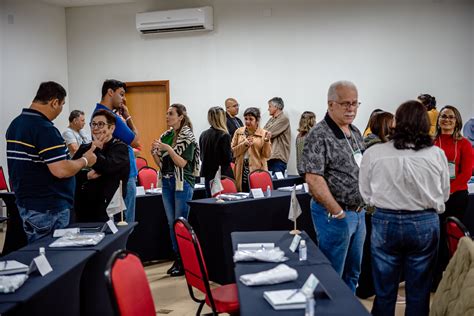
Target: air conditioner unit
195,19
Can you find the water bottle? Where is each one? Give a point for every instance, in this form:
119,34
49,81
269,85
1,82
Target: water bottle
310,305
303,251
286,173
269,191
152,186
42,251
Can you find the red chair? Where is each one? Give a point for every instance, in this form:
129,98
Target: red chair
128,286
147,176
141,162
260,179
223,299
455,230
228,184
3,181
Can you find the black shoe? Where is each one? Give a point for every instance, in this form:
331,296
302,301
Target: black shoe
178,271
175,263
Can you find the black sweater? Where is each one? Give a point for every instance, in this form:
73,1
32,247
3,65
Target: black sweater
215,151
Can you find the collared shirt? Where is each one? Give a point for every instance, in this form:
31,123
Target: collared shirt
329,153
32,143
406,179
73,137
125,134
281,136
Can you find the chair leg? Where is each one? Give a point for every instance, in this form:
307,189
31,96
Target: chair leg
198,313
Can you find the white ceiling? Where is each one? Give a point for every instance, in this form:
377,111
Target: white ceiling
82,3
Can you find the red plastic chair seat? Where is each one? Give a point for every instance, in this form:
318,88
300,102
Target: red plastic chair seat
226,298
455,230
260,179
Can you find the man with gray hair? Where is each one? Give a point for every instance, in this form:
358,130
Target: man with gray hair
331,158
75,135
279,130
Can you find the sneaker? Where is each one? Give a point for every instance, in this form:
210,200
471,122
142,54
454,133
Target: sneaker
401,299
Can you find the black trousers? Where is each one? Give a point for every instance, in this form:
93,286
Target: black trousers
456,206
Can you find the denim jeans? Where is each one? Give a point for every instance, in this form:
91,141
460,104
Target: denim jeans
276,165
341,241
130,200
175,203
403,241
39,224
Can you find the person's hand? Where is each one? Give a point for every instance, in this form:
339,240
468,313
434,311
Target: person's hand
268,136
154,148
162,146
99,140
90,156
249,141
91,175
124,111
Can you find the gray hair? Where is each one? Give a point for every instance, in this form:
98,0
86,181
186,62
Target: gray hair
332,92
277,102
75,114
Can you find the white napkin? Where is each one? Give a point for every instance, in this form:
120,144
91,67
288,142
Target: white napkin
10,283
281,273
268,255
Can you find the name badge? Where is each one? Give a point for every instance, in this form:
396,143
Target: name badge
452,170
357,157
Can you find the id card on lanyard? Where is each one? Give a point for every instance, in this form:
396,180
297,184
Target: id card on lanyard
452,163
357,154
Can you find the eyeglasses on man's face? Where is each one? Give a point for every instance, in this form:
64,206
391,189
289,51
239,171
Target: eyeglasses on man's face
98,125
348,105
448,117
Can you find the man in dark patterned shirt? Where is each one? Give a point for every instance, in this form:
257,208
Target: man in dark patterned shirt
331,159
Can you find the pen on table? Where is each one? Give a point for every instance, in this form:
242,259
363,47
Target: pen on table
292,294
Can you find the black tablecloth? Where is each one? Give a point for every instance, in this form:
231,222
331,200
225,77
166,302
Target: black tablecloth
469,217
214,222
287,182
342,302
15,237
95,298
57,293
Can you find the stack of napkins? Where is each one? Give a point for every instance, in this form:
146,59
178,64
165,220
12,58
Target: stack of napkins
285,299
279,274
233,196
78,240
268,255
10,283
289,189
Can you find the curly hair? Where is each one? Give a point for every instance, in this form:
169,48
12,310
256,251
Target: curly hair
428,101
412,127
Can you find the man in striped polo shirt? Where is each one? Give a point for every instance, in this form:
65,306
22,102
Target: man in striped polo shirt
40,171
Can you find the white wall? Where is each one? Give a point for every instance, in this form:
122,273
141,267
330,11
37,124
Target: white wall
33,50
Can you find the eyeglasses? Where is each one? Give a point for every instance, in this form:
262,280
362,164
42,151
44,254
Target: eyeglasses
99,125
448,117
348,105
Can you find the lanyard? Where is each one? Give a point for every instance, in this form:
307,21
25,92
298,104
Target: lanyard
455,148
352,137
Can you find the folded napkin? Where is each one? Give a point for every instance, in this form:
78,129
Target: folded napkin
268,255
281,273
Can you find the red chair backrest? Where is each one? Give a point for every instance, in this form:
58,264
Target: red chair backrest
141,162
3,181
194,266
128,286
455,230
228,184
147,176
260,179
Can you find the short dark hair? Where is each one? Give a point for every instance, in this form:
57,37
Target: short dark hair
48,91
109,116
412,127
428,101
252,111
75,114
381,125
112,84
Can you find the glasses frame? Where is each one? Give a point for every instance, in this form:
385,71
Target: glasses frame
448,117
347,105
98,125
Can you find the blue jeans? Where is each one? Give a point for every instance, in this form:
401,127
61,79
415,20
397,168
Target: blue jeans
341,241
40,224
175,203
403,241
130,200
276,165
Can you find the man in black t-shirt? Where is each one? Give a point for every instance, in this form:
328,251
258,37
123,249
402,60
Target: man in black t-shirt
233,122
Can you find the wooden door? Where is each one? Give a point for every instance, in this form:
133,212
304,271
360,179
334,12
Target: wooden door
148,102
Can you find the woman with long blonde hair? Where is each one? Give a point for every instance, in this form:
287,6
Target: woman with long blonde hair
215,147
307,121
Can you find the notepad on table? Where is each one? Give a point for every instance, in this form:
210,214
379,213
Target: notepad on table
12,267
285,299
256,246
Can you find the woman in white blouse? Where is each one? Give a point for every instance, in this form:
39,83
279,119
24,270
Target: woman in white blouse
407,180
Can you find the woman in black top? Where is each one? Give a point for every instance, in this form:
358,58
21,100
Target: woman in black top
96,187
215,147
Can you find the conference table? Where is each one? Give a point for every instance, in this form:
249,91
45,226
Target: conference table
84,289
214,222
341,300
